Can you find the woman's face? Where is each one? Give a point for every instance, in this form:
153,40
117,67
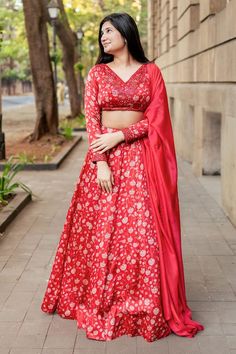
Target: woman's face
111,38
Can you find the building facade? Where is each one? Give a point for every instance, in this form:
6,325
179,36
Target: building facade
194,43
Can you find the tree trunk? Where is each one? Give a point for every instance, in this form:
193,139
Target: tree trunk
44,89
69,43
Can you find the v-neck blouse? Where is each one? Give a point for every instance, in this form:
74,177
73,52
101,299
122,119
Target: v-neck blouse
113,93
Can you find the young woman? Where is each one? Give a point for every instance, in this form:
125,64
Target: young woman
118,267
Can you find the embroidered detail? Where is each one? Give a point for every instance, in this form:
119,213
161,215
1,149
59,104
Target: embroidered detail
113,92
127,134
136,131
99,157
105,92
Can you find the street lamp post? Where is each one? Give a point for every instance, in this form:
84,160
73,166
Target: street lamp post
80,35
53,10
2,135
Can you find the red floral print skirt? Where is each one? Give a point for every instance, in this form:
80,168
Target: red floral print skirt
106,272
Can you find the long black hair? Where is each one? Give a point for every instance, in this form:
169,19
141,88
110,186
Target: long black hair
127,27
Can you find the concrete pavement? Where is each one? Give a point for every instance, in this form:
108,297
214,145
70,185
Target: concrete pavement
27,251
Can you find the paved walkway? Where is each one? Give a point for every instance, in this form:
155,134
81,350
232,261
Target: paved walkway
27,252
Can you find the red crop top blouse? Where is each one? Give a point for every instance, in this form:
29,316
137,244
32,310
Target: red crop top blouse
106,91
116,94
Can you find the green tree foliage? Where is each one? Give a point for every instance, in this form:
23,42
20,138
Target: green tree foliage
80,13
14,51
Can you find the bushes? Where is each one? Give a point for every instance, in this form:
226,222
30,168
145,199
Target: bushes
7,185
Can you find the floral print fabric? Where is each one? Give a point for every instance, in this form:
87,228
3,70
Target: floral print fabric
116,94
106,271
105,90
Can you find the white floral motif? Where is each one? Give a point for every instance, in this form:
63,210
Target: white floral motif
110,276
117,153
154,290
93,291
151,261
156,311
150,241
125,220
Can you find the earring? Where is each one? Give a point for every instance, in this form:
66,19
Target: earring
125,41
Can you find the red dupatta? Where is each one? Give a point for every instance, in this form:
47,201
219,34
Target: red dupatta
161,170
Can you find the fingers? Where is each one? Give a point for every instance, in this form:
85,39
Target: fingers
105,149
98,146
100,141
97,140
106,186
97,143
101,149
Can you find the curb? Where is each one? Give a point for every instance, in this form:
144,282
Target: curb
9,212
79,129
55,162
82,129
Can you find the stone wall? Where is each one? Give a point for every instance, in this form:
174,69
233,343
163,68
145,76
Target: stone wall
194,43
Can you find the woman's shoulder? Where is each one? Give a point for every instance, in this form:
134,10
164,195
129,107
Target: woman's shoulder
153,67
96,68
95,71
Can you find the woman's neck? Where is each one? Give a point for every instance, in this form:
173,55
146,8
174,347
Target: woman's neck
124,60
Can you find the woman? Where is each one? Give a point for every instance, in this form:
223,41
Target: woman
118,267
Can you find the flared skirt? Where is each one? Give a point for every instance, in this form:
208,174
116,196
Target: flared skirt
106,271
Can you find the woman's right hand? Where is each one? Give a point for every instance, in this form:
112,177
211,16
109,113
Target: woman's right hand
105,178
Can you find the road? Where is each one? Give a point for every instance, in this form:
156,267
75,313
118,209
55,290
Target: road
11,102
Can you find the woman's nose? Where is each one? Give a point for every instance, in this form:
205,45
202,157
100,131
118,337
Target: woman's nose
103,37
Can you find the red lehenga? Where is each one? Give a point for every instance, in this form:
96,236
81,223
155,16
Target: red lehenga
118,267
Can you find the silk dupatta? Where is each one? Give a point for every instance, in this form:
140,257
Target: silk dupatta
161,170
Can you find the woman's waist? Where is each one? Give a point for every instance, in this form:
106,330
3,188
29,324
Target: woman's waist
120,119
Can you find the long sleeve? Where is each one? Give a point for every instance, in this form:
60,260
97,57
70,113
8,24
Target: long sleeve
92,114
136,131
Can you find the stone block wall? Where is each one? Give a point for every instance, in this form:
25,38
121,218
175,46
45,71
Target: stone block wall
194,44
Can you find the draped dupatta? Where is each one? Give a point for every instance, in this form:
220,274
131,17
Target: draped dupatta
161,170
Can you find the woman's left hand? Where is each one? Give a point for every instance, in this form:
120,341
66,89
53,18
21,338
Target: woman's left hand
107,141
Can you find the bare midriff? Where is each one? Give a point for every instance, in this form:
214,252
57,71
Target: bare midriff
120,119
